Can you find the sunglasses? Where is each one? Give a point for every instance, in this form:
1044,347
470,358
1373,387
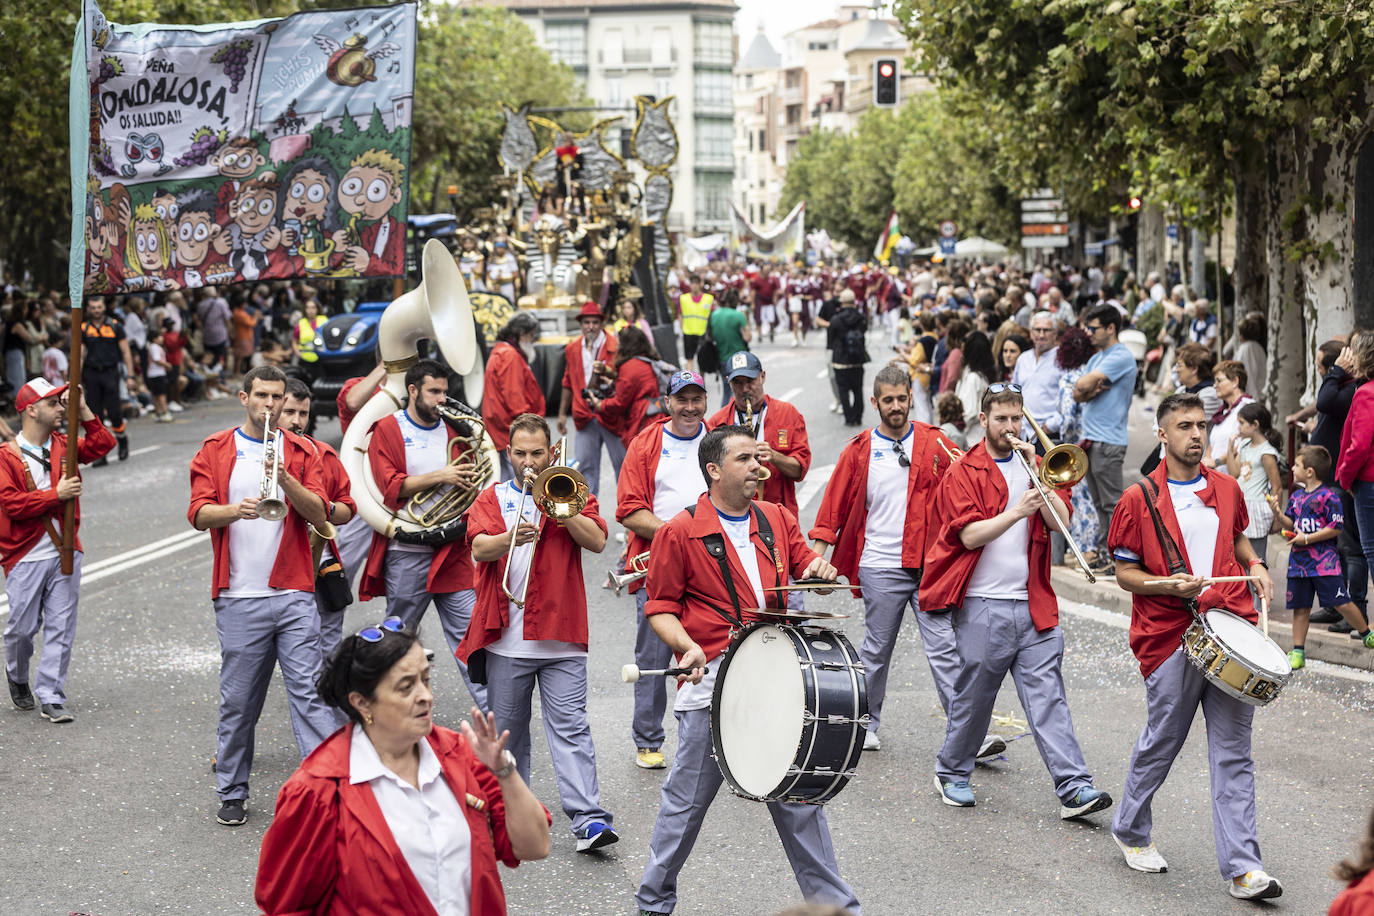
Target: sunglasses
1000,387
902,459
375,634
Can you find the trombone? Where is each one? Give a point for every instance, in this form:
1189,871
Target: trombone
1062,466
560,492
636,568
764,471
270,506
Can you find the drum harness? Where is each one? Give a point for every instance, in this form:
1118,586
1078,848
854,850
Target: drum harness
1172,556
715,546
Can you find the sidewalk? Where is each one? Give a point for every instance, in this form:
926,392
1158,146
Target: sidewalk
1337,648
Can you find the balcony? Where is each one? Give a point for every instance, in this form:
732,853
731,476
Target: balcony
708,105
792,95
707,161
637,58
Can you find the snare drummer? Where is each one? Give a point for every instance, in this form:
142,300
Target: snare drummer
1204,514
990,565
687,595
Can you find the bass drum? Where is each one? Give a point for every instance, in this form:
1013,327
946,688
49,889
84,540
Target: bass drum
788,713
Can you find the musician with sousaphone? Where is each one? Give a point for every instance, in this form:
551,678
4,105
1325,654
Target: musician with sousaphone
427,460
530,623
1178,538
257,489
695,609
989,565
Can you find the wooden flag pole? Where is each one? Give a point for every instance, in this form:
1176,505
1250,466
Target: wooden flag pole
69,465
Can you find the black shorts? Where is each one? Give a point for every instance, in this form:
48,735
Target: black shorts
1330,591
217,351
157,385
690,342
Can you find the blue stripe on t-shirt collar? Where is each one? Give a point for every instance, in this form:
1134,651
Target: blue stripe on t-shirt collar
733,518
1184,483
411,420
668,432
909,430
246,436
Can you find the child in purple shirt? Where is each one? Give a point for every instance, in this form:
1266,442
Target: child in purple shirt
1314,566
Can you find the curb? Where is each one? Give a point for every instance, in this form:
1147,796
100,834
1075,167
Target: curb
1336,648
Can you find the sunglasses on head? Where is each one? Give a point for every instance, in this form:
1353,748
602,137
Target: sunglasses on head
1000,387
375,634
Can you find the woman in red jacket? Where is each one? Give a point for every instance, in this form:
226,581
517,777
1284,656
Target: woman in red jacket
635,402
392,814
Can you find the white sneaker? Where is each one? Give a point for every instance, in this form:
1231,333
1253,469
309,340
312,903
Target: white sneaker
165,418
872,742
1148,859
992,746
1256,885
174,407
836,407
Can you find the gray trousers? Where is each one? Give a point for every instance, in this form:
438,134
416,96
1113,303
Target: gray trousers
887,595
587,449
1172,694
563,700
1104,484
651,693
352,543
996,636
40,596
254,635
406,598
687,793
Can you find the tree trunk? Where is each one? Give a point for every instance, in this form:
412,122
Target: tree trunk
1251,277
1149,242
1283,278
1328,174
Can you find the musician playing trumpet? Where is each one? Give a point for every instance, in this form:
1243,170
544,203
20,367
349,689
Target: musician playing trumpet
512,645
587,371
262,582
989,565
412,451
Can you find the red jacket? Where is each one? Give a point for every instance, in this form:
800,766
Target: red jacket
22,510
625,411
784,429
450,568
843,515
575,381
337,488
1158,621
971,491
556,604
1356,900
329,849
1357,439
210,472
685,580
509,390
346,414
391,262
635,488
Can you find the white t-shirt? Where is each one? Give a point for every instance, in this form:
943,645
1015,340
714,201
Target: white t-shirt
589,356
156,357
1004,565
426,451
55,365
427,823
253,542
698,696
677,479
44,548
886,503
513,643
1198,522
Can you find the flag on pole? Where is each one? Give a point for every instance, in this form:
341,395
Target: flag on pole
237,152
890,235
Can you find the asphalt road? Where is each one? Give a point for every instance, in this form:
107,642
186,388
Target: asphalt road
113,814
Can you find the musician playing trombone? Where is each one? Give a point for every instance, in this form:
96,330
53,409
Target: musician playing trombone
989,565
263,580
414,450
530,624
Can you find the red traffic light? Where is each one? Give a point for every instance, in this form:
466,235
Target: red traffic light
1133,204
885,70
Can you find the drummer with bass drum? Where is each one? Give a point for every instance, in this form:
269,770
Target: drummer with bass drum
1199,521
689,606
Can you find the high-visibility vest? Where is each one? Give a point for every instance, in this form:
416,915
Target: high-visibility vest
694,314
306,332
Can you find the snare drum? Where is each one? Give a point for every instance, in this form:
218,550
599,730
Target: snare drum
1235,655
788,713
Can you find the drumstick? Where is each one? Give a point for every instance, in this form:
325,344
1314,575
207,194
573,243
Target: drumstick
631,673
1264,615
1206,579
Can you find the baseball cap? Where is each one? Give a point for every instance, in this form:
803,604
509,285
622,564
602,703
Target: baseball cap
681,380
743,365
36,390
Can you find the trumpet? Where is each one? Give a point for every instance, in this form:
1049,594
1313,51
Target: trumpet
270,506
560,492
636,568
444,503
764,472
1044,479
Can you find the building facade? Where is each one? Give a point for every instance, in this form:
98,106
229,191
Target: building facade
679,48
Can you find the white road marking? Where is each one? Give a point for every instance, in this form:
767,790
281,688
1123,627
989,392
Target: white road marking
816,479
823,373
790,394
146,449
132,558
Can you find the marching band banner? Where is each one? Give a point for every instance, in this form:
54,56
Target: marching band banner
245,151
784,241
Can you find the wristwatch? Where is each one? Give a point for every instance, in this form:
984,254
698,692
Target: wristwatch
509,768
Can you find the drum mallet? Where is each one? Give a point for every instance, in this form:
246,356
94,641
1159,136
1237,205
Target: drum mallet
631,673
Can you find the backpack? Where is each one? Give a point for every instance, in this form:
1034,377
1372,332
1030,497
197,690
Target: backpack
663,373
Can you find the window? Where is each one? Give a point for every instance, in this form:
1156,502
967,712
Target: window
663,87
614,53
661,49
713,90
715,42
567,42
615,92
713,197
713,143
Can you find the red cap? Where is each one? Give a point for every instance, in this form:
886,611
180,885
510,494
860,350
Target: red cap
36,390
589,310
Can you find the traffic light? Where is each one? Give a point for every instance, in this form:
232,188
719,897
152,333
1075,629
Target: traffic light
886,82
1133,204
